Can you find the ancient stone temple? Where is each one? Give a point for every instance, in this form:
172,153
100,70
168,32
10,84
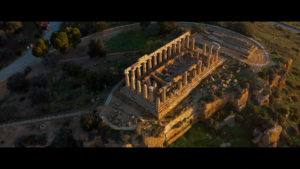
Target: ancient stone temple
169,74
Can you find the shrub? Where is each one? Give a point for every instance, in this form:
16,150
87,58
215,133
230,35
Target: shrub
126,139
209,122
17,82
19,53
152,30
258,120
239,119
41,48
216,116
71,68
3,38
40,81
295,98
295,131
284,111
275,116
262,75
281,119
50,60
181,30
296,110
247,126
271,98
96,48
21,39
89,122
166,27
112,75
27,70
295,117
197,28
267,123
39,95
68,97
275,92
245,28
216,125
5,53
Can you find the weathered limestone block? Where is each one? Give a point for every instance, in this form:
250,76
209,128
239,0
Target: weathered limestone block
271,135
239,104
257,138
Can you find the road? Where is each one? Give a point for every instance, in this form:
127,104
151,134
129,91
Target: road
26,60
285,26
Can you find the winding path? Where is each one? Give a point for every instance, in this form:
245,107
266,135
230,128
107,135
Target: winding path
285,26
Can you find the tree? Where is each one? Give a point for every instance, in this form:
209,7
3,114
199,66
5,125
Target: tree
39,95
197,28
96,48
144,24
245,28
21,39
112,75
17,82
13,26
151,46
40,81
152,30
5,53
166,27
59,41
50,60
71,68
89,122
41,48
181,30
3,38
74,36
262,75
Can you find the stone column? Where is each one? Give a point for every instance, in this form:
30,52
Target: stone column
193,44
148,82
132,72
194,73
169,51
179,46
165,54
208,61
154,60
151,93
187,41
145,91
199,67
159,57
127,79
204,49
132,83
217,55
185,78
163,94
154,85
144,68
157,102
174,48
149,65
197,55
138,84
182,44
139,71
180,85
210,50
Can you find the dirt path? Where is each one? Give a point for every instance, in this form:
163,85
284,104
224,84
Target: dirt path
285,26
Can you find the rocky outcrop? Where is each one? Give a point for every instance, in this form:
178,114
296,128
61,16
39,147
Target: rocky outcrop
207,109
279,80
268,138
263,97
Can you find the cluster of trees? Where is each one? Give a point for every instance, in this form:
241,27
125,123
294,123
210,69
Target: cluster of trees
38,94
61,40
153,45
5,53
88,123
162,28
3,38
11,26
86,28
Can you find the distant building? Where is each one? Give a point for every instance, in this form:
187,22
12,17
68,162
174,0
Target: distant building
44,25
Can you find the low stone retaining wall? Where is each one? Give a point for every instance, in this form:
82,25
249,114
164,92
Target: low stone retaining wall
43,118
117,127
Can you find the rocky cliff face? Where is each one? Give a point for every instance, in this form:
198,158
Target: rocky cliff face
268,138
